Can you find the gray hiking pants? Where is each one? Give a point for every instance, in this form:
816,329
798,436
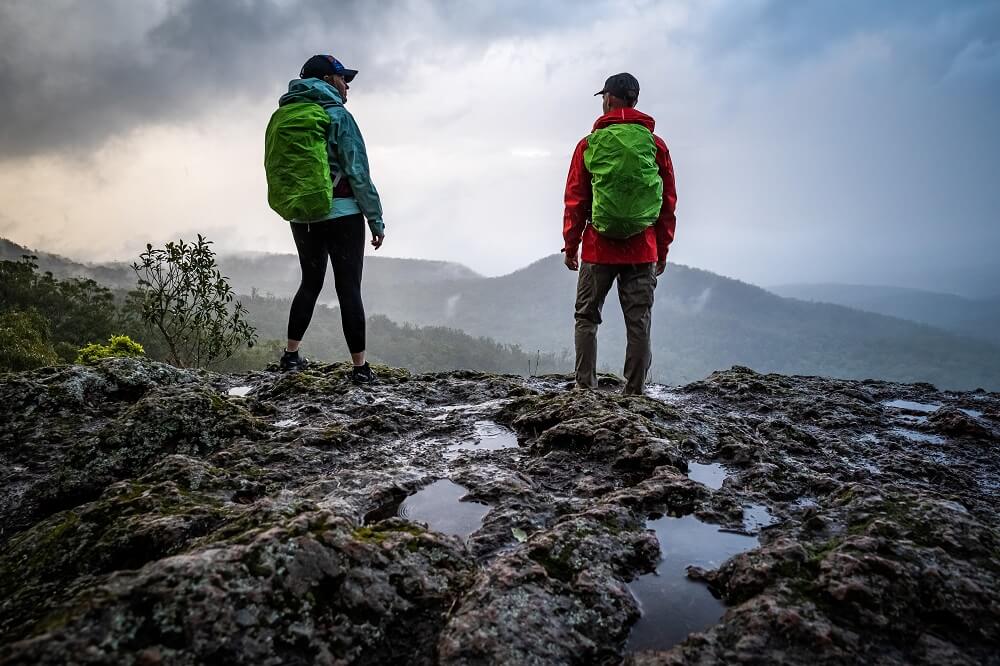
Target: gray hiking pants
635,291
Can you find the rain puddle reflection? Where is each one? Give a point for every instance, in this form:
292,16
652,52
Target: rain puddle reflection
927,408
239,391
489,437
672,605
286,423
915,436
711,475
439,506
757,516
912,406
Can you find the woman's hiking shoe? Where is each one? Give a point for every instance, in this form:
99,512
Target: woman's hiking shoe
292,361
362,374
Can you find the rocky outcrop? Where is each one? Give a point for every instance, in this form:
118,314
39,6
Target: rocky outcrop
152,515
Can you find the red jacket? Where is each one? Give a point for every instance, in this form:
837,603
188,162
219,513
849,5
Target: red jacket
646,247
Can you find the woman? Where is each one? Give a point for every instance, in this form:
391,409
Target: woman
339,235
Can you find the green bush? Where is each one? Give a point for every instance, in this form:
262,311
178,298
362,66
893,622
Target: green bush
118,346
182,296
75,310
24,341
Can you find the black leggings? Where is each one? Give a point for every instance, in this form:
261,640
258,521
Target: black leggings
342,239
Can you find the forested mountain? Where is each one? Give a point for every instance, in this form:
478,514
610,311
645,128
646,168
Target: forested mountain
701,322
419,348
978,318
117,275
45,320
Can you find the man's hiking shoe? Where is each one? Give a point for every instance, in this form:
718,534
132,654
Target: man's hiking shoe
362,374
292,361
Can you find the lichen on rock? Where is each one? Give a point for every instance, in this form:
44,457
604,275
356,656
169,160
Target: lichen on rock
148,516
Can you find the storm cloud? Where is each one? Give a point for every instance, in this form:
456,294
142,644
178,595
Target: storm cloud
78,72
813,140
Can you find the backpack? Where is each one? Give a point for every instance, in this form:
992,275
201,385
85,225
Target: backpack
295,161
627,188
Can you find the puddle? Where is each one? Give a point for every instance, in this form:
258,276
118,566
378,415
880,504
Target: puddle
286,423
757,516
711,475
439,507
915,436
489,437
927,408
912,406
466,407
239,391
672,605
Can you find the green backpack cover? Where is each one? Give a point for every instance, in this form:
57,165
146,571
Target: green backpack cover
627,188
296,163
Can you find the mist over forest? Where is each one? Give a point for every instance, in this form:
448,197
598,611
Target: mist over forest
436,316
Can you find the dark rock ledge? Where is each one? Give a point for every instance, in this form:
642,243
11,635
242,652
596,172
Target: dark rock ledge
148,516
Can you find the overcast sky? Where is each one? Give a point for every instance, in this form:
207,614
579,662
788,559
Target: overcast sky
814,141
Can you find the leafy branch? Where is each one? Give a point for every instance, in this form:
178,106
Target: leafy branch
183,296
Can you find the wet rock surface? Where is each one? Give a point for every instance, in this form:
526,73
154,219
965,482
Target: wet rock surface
152,515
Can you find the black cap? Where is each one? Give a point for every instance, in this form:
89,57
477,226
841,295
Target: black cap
623,86
319,66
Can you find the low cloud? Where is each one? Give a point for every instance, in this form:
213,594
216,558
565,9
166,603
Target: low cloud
813,141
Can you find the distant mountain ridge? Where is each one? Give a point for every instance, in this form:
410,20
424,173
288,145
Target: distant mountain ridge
114,274
979,318
701,321
277,274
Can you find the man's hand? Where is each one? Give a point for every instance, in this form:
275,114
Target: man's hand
660,267
377,240
571,261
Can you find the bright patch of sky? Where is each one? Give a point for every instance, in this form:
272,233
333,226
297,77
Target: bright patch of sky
813,141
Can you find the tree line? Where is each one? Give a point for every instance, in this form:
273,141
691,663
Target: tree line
184,312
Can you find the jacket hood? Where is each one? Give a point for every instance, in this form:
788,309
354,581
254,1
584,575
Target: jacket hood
311,90
625,115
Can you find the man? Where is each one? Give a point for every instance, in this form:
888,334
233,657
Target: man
620,201
338,235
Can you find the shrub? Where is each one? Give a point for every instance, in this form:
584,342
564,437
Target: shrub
118,346
75,310
183,296
24,341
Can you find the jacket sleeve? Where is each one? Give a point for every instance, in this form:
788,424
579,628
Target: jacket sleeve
667,221
349,148
578,201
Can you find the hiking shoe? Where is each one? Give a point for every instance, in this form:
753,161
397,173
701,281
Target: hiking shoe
292,361
362,374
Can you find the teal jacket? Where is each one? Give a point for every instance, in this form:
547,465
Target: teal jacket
346,150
